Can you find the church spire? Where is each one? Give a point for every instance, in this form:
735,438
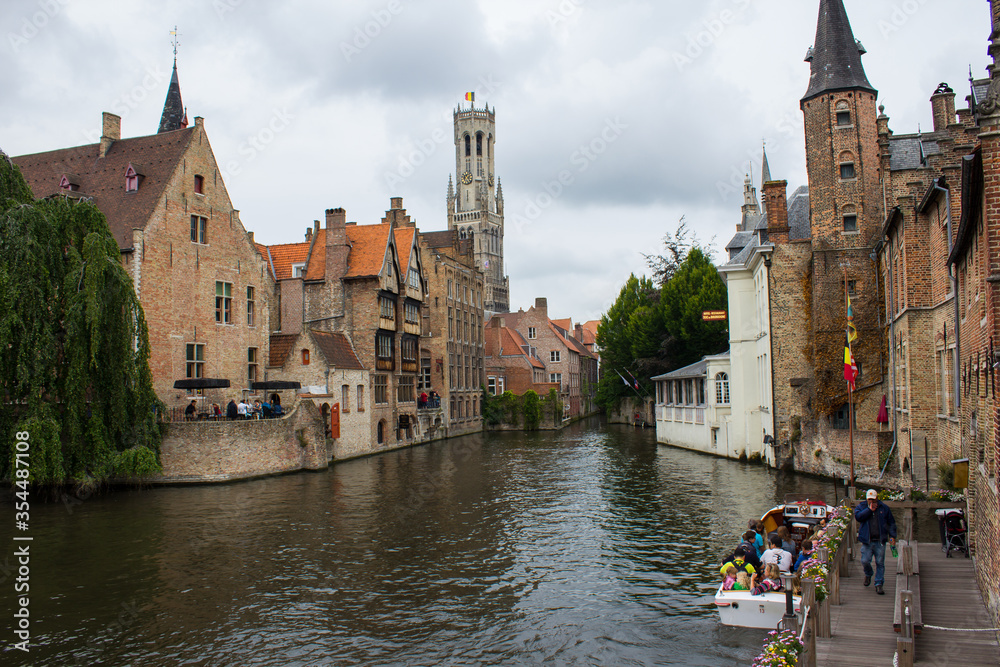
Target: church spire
835,58
765,171
174,116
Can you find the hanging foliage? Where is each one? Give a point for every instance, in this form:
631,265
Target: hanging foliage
74,349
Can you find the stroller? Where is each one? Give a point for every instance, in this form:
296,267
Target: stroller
954,532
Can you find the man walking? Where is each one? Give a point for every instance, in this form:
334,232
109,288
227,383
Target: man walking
876,526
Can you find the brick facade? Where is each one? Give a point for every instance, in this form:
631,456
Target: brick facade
191,260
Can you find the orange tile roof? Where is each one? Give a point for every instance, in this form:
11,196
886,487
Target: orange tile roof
591,326
103,179
404,246
511,345
281,346
566,324
369,247
337,350
317,260
283,256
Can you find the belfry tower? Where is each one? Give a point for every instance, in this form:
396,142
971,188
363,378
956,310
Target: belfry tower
475,200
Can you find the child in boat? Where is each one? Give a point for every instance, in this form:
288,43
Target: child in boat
728,577
806,554
742,581
770,582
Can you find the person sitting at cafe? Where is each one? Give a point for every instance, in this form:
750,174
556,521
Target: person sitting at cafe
190,411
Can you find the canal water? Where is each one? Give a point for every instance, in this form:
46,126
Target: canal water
593,545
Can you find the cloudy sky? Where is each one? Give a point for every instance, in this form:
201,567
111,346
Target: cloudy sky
656,107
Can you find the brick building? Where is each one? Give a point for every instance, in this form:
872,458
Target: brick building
907,225
366,283
203,285
452,346
510,364
567,360
814,267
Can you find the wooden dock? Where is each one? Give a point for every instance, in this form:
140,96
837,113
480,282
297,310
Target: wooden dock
862,624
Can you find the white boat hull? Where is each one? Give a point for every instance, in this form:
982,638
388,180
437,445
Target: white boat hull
753,611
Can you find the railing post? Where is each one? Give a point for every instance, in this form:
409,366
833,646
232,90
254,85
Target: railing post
907,555
808,602
904,643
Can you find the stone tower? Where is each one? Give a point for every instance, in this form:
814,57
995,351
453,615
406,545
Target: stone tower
845,197
475,200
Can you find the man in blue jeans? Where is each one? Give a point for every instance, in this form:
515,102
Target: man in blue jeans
876,526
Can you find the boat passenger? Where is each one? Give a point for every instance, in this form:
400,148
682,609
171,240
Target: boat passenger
750,549
778,556
728,577
786,541
757,526
738,559
807,553
771,581
742,582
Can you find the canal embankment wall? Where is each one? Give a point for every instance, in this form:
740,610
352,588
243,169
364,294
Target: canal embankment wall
222,451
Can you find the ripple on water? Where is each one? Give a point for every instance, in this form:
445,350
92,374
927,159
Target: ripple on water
593,545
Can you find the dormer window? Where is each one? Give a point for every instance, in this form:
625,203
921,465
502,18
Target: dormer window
132,176
69,182
199,184
298,270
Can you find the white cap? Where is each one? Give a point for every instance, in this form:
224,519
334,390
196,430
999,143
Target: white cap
872,494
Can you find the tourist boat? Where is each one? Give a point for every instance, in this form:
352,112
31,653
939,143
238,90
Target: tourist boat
754,611
799,514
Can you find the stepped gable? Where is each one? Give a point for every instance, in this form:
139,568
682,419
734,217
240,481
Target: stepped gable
102,179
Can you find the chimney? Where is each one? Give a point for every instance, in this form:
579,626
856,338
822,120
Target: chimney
578,332
111,131
396,203
309,234
777,211
337,248
250,236
199,121
542,304
943,107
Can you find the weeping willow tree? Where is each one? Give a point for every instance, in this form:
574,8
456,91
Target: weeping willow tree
74,349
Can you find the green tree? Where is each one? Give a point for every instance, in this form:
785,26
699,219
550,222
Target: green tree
532,410
74,349
633,314
695,287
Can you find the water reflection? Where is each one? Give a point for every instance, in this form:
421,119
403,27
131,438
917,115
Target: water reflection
590,546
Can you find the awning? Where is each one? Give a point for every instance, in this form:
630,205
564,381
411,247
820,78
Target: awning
201,383
275,384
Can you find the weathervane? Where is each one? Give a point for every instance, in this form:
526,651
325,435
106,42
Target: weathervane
175,42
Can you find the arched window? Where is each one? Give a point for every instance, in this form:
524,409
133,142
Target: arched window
461,233
843,114
721,389
380,432
479,143
305,357
468,146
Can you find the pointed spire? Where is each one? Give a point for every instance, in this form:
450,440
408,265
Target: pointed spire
174,115
765,170
835,58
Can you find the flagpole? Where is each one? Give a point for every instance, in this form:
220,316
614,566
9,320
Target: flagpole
850,390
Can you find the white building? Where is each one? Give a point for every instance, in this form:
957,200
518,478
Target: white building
751,355
693,407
